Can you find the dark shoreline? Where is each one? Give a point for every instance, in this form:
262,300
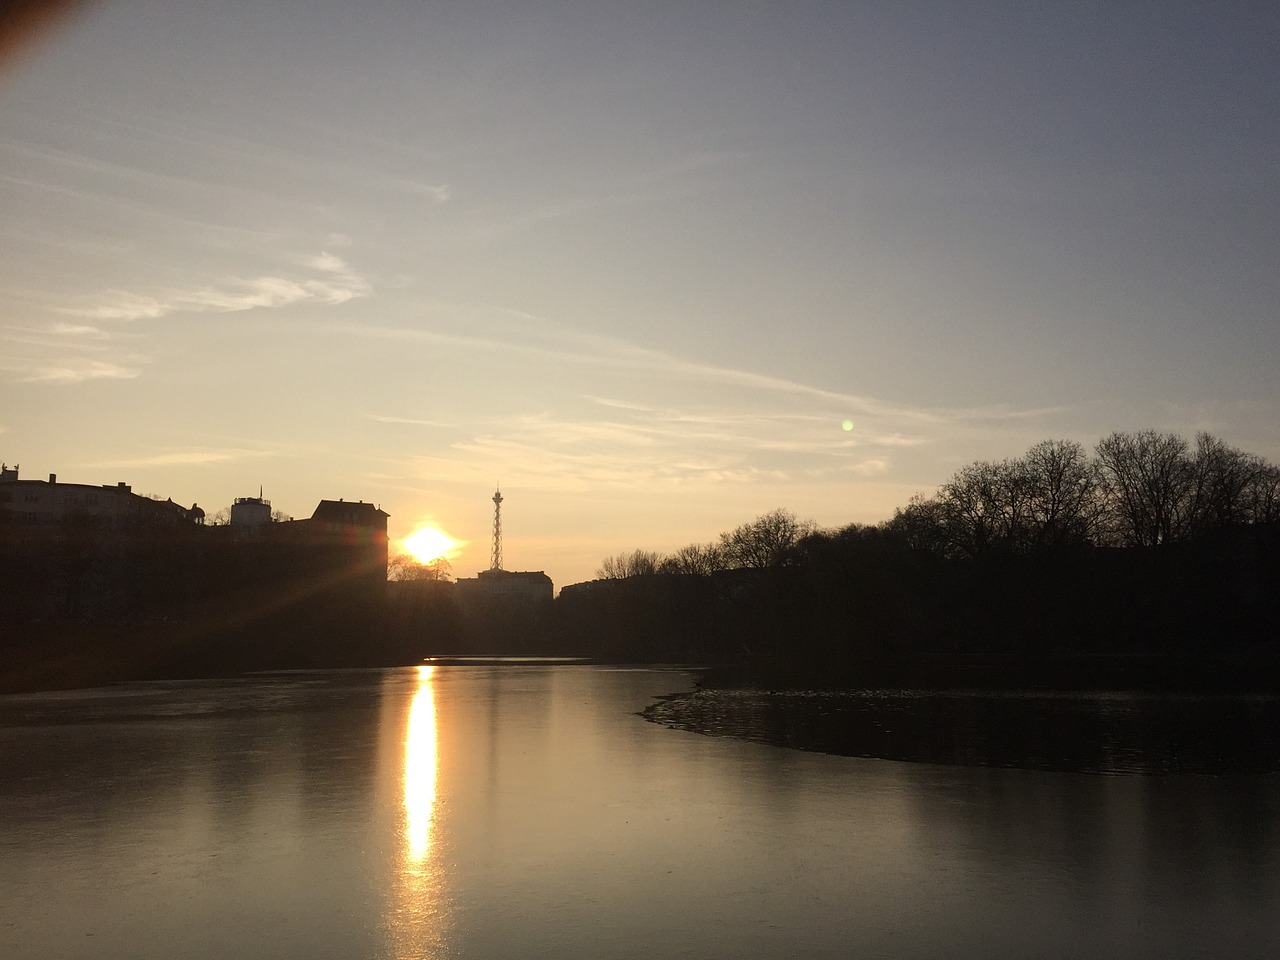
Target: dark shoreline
1237,673
1092,732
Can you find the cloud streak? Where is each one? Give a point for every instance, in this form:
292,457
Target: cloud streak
434,193
336,284
75,370
86,344
197,457
552,343
411,420
665,422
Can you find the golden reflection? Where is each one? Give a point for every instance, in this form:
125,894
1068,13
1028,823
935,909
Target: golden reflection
420,767
418,916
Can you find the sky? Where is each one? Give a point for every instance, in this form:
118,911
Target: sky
655,269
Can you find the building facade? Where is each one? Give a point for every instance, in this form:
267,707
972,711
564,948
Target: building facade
510,586
40,503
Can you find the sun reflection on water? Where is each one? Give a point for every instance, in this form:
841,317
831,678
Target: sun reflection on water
419,917
420,770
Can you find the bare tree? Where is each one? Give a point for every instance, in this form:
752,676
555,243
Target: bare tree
1223,484
1262,496
1046,498
1142,489
1147,479
637,563
1064,503
922,526
404,567
697,558
771,540
984,507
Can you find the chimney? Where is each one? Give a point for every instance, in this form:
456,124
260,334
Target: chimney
53,478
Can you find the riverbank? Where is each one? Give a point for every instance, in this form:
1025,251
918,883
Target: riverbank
1238,671
1076,732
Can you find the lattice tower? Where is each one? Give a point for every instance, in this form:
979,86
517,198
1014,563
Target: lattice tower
496,563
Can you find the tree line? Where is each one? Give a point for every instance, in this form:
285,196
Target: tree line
773,540
1150,562
1142,489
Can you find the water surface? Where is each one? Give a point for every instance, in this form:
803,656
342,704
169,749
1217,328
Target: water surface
526,810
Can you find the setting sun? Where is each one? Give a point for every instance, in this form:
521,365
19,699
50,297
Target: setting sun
428,543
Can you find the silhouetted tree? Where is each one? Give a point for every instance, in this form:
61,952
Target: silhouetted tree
1147,480
1222,483
697,558
404,567
771,540
921,525
1047,498
1142,489
637,563
985,506
1262,496
1150,485
1064,501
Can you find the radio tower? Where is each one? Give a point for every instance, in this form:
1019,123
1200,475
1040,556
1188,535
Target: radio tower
496,563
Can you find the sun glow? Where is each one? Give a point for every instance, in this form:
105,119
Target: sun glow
429,543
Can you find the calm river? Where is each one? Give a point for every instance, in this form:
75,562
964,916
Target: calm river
525,810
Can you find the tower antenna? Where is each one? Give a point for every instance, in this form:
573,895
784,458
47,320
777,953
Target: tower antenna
496,563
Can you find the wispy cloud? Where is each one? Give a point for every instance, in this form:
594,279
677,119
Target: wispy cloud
526,463
194,457
89,341
120,305
666,421
869,468
74,370
677,178
547,341
408,420
81,330
898,440
336,284
434,193
55,337
616,415
328,262
617,404
651,450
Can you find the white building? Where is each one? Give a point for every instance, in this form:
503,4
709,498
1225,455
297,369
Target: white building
40,502
250,511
